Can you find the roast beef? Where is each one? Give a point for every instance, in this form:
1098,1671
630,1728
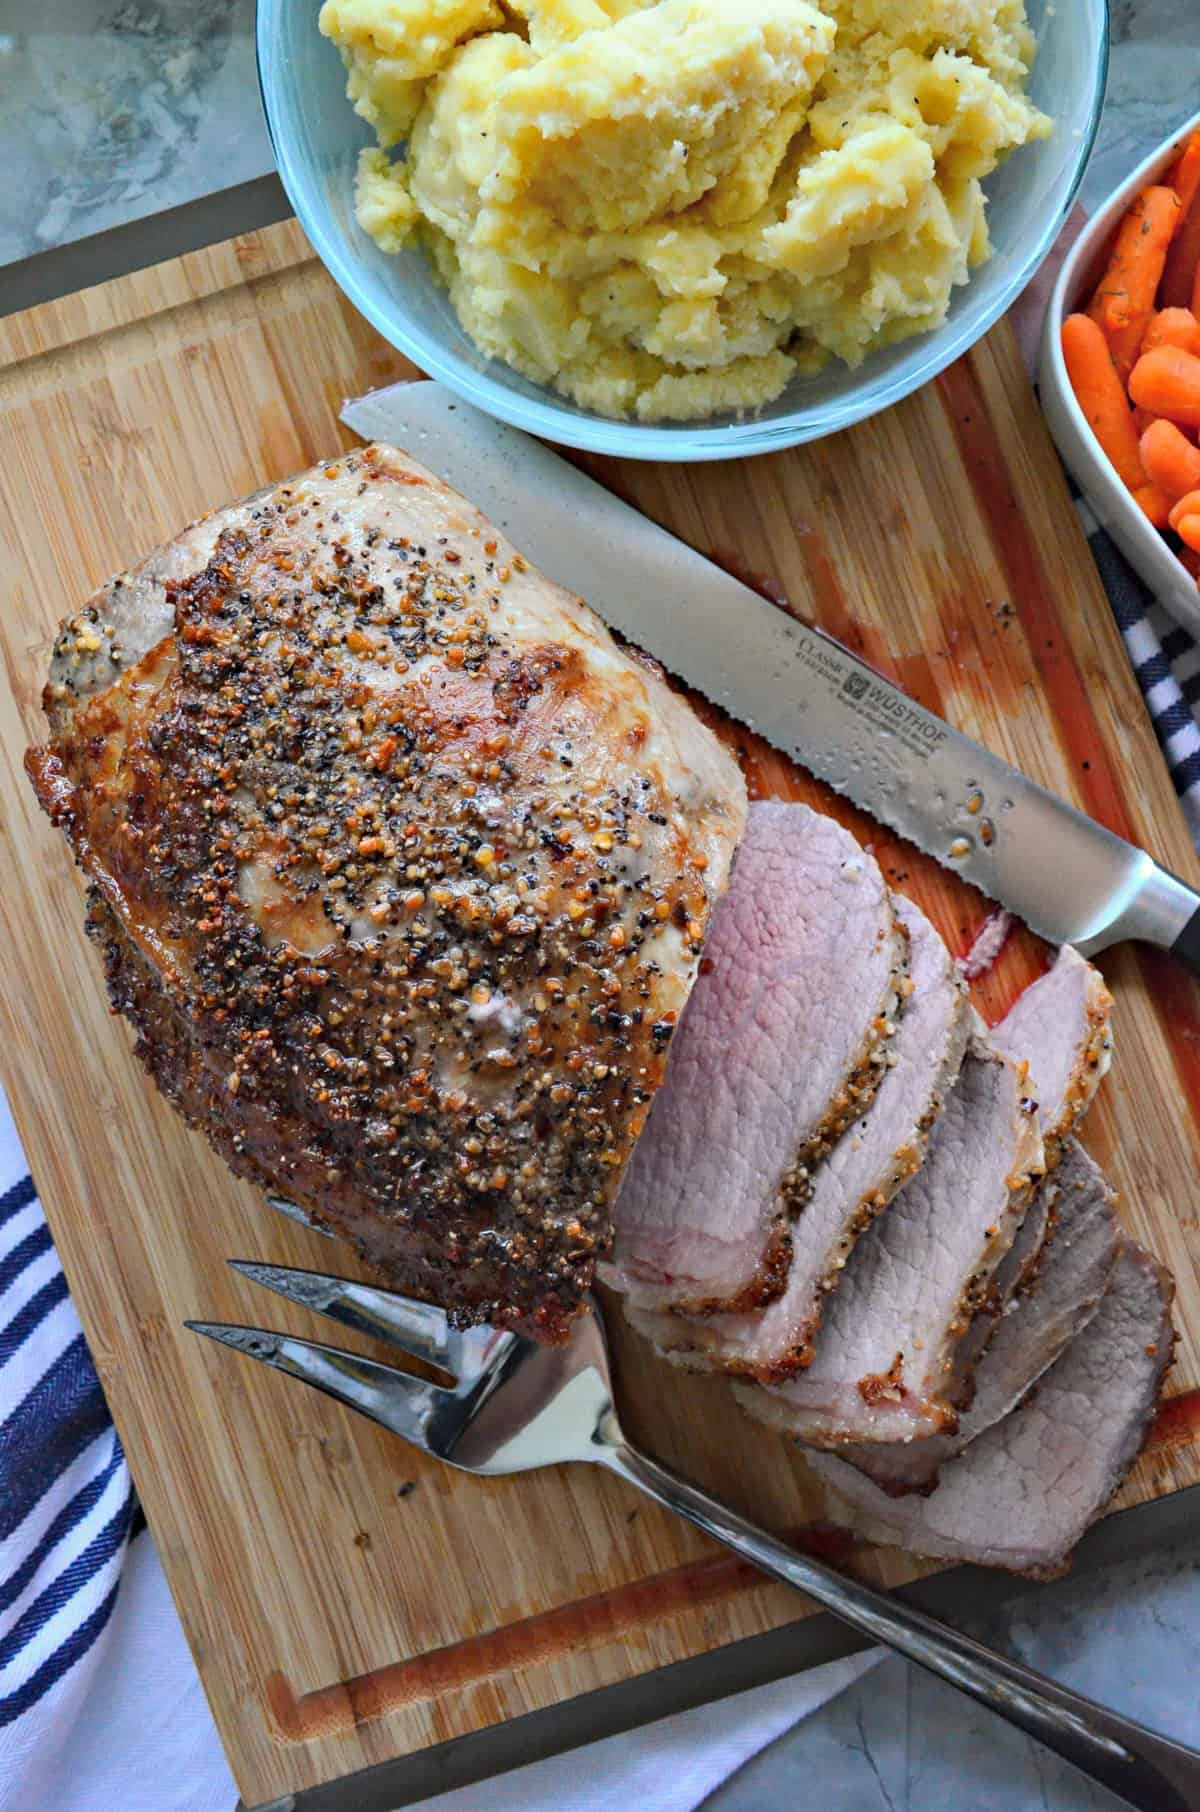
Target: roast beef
885,1366
862,1173
1060,1027
1023,1257
1038,1322
1058,1032
1057,1038
783,1045
402,868
1022,1494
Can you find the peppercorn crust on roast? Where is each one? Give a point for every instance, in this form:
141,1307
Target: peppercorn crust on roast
666,210
400,867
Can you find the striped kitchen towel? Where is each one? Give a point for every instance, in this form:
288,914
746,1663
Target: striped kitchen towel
100,1707
1165,659
66,1502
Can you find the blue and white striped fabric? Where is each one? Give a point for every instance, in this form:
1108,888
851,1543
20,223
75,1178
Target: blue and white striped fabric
66,1502
1165,659
99,1702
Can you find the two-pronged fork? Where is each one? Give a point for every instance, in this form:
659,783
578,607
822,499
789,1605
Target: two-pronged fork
512,1405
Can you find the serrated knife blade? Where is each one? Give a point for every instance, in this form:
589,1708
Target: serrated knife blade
1069,878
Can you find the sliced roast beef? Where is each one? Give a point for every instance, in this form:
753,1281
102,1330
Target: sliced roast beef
1058,1032
862,1173
1020,1262
1038,1324
1023,1493
1060,1027
885,1363
782,1047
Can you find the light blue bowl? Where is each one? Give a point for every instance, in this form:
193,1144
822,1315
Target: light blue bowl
317,137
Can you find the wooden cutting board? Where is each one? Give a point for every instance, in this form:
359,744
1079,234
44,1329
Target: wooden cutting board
348,1603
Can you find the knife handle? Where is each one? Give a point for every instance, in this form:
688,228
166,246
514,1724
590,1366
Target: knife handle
1187,945
1159,909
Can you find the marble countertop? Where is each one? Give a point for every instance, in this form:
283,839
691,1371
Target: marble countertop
900,1741
111,110
114,110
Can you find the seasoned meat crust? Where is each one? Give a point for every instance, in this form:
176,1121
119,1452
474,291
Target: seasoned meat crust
402,869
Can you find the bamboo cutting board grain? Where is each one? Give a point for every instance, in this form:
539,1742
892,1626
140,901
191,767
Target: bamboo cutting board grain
346,1601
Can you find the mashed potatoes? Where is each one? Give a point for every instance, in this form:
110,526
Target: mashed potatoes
666,210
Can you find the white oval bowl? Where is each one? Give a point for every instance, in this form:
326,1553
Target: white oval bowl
1082,453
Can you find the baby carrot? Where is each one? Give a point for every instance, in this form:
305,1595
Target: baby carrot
1169,459
1100,395
1187,558
1154,504
1129,285
1172,327
1182,261
1142,419
1188,530
1187,505
1167,382
1184,174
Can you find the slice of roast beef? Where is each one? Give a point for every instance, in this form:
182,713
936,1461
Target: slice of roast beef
885,1363
869,1163
1023,1493
1037,1325
787,1042
1058,1031
1060,1027
1020,1263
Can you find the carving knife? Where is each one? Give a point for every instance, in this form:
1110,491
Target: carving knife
1069,878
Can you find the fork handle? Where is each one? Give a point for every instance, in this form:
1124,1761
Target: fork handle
1147,1771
